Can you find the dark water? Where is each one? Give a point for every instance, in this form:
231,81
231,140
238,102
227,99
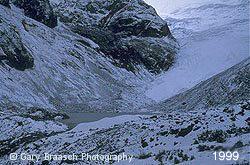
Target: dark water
86,117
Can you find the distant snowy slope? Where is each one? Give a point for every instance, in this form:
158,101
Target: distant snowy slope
229,87
167,7
214,35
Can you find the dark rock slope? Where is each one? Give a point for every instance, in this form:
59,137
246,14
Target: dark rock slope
13,50
5,3
129,32
39,10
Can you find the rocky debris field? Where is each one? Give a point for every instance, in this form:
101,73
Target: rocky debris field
19,129
189,138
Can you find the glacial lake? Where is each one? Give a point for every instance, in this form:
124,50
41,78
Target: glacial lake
76,118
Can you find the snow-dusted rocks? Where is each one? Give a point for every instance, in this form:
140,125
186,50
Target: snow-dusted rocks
13,52
5,3
134,18
79,64
68,73
39,10
74,70
19,128
189,138
129,32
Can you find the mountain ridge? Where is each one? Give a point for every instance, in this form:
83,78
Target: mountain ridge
75,66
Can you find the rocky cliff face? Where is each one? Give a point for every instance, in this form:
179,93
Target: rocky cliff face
80,63
129,32
39,10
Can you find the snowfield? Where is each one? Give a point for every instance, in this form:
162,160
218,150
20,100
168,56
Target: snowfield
214,35
173,138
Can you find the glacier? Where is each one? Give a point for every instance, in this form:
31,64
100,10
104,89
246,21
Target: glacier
214,36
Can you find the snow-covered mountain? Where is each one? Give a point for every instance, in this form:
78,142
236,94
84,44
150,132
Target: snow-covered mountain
190,71
83,63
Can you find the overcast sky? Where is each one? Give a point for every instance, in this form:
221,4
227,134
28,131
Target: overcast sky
165,7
